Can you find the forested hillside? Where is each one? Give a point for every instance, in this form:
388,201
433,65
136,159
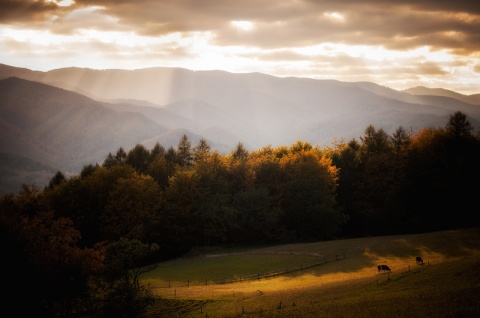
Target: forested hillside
147,205
66,118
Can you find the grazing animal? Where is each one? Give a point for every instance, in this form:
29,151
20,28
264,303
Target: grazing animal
419,260
383,268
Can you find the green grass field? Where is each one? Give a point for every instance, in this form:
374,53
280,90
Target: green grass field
343,283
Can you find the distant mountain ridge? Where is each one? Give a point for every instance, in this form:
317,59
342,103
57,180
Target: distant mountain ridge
421,90
70,117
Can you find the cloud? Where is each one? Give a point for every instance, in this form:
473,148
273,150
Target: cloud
21,12
348,38
394,24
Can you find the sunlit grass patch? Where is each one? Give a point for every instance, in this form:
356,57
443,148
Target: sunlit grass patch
204,270
447,284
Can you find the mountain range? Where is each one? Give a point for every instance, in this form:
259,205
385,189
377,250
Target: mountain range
66,118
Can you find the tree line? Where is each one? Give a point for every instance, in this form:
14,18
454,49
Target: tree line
80,237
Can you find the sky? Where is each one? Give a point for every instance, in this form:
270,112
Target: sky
394,43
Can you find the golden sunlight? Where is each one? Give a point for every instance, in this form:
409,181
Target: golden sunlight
335,16
62,3
243,25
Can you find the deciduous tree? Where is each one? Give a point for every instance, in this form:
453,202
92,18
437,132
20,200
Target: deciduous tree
132,208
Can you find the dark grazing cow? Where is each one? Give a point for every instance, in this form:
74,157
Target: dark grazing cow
419,260
383,268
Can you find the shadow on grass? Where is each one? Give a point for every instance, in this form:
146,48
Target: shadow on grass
331,257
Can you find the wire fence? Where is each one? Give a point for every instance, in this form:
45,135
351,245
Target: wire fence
256,276
382,278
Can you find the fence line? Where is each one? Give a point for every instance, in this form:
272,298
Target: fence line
257,275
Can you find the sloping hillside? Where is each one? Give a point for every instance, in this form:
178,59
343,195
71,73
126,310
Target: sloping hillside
258,109
63,130
347,284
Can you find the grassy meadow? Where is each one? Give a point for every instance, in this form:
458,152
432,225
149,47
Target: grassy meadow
327,279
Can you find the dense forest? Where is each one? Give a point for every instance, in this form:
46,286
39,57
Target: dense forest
78,246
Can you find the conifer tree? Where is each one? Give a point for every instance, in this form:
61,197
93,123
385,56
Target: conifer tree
184,151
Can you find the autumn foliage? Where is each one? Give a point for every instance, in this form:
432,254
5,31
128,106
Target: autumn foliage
149,205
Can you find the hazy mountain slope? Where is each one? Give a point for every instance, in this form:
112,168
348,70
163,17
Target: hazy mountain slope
15,141
260,109
7,71
260,105
383,91
80,128
155,85
161,116
451,105
213,118
162,86
62,129
421,90
187,115
18,170
172,137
